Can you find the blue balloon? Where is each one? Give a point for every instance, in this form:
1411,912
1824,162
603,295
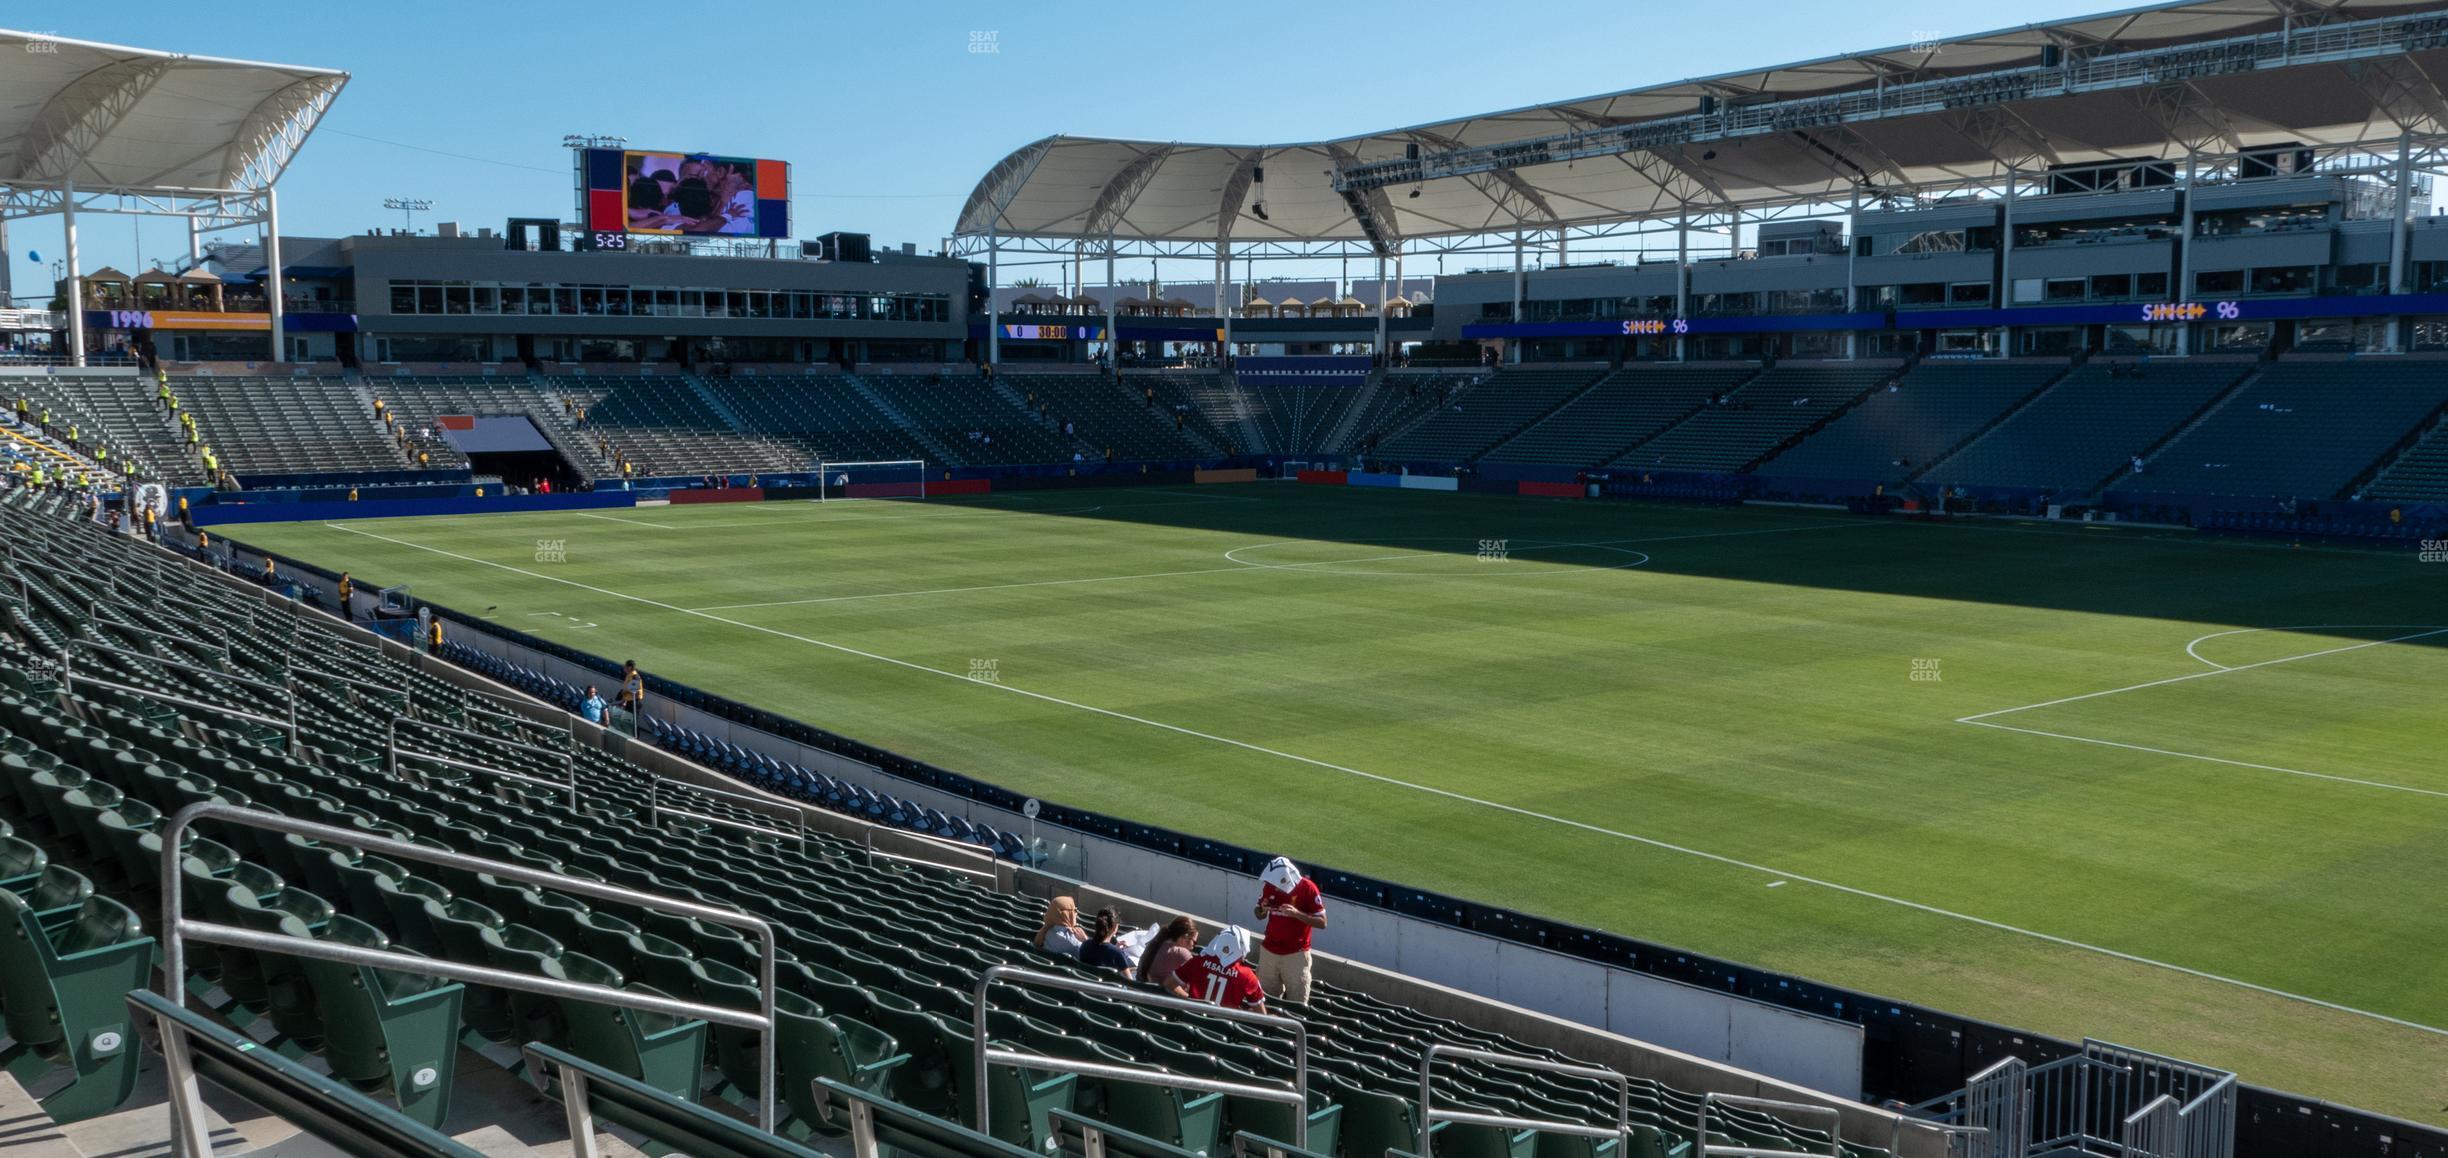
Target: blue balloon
34,257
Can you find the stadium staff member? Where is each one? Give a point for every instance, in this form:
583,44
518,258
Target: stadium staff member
1292,908
632,697
1220,975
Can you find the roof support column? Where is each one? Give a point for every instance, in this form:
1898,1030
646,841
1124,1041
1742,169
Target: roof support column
1113,327
1682,280
1385,357
2400,223
2184,255
1852,244
275,288
76,274
2006,236
1561,242
994,312
1514,352
6,288
1223,308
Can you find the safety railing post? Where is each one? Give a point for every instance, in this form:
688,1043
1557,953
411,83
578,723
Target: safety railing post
1429,1115
983,1055
177,930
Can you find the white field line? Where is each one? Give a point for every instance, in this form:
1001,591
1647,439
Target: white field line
619,519
2208,759
2216,669
1444,793
1974,719
1242,565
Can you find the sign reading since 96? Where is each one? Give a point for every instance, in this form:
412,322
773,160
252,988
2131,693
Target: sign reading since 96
2190,311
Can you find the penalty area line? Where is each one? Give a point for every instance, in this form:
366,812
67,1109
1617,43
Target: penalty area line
1445,793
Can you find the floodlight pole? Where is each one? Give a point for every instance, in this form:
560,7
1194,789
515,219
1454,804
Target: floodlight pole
274,290
76,275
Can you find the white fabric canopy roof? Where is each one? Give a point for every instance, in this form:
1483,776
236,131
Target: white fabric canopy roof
1085,187
108,116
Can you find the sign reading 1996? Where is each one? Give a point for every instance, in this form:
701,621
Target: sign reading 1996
2190,311
1655,326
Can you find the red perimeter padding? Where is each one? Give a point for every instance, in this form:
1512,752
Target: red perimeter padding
1555,490
960,486
1324,478
721,495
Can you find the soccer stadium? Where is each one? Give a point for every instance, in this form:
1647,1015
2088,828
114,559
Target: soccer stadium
1889,606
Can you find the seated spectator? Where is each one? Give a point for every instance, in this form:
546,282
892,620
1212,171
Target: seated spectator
1166,953
1220,974
1059,933
1101,952
592,707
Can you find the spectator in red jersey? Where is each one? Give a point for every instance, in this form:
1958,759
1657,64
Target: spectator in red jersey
1220,975
1292,909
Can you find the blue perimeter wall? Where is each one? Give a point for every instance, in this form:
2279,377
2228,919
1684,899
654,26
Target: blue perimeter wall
220,513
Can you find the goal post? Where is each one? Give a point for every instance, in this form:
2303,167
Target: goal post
899,478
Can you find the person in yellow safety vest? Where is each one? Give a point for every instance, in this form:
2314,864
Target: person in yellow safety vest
38,476
21,408
437,635
182,508
346,586
73,431
191,436
102,455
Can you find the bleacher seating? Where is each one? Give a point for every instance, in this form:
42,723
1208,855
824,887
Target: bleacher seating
1627,408
1486,414
92,769
2088,425
1405,397
951,407
122,411
1931,411
2418,475
2302,429
822,415
1299,419
417,403
287,424
666,427
1775,406
1104,415
302,424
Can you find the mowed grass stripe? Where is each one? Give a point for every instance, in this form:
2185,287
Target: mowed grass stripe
1745,695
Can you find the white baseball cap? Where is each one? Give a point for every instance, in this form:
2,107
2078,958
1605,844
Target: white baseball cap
1281,873
1229,945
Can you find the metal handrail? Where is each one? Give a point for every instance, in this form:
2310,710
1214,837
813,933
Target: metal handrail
1703,1149
189,1127
1297,1096
1429,1115
657,811
353,681
985,874
186,640
69,678
569,760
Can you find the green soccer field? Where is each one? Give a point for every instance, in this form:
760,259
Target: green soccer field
2182,794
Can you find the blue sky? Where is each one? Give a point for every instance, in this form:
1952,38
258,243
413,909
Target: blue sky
884,113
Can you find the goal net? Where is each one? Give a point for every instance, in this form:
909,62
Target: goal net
888,479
